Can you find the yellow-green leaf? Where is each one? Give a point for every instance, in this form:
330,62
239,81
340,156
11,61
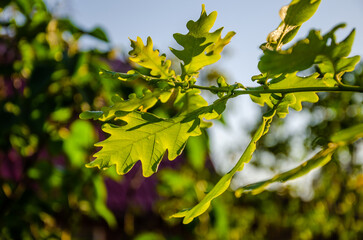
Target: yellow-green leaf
146,137
133,103
292,100
319,160
201,47
224,182
146,56
330,56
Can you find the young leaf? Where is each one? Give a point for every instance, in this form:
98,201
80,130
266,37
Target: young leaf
146,56
330,56
292,100
319,160
134,103
292,16
201,48
225,181
348,135
146,137
131,75
299,11
189,101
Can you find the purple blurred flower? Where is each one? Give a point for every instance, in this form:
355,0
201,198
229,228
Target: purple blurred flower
11,166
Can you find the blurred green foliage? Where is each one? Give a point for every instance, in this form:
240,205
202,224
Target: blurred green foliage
46,81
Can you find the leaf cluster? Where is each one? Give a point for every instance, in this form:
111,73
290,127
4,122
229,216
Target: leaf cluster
137,134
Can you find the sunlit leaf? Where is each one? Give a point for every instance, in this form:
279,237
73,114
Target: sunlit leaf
131,75
224,182
146,137
133,103
189,101
330,56
292,100
319,160
348,135
201,47
146,56
292,16
299,11
197,150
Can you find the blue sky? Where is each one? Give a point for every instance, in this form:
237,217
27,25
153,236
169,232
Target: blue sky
252,20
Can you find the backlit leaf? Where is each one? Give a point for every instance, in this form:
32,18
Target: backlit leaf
133,103
146,137
201,47
225,181
189,101
299,11
348,135
319,160
146,56
292,100
292,16
330,56
131,75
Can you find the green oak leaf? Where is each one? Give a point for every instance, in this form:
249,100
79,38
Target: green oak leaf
224,183
292,100
146,56
133,103
189,101
318,160
131,75
201,47
146,137
343,137
330,56
292,16
299,11
349,135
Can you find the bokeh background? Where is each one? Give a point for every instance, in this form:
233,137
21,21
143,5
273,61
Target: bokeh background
50,55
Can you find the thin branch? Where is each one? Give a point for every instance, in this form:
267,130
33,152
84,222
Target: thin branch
258,90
